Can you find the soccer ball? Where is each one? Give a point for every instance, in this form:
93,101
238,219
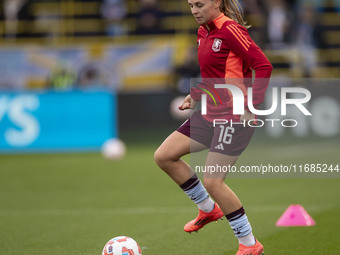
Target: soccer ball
122,245
113,149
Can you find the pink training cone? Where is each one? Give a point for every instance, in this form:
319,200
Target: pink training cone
295,215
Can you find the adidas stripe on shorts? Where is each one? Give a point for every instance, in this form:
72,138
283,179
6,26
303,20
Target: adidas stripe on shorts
224,139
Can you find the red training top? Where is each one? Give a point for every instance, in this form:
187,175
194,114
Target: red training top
227,55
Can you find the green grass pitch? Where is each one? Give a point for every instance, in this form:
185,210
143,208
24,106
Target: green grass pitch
70,204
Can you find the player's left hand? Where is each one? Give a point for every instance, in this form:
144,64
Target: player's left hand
247,116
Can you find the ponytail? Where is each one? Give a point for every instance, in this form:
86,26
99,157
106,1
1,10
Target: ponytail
233,10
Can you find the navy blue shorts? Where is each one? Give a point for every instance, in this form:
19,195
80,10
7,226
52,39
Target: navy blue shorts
223,138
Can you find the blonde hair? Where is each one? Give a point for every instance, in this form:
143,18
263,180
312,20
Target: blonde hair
233,10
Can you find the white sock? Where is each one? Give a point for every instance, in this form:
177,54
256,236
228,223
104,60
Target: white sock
248,240
207,205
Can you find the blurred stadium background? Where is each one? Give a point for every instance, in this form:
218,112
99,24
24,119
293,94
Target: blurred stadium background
76,73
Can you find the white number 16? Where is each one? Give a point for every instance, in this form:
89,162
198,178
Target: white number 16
226,134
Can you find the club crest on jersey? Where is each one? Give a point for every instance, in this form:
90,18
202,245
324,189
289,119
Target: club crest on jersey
217,45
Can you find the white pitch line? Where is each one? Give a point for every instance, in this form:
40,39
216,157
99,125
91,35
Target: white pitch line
146,210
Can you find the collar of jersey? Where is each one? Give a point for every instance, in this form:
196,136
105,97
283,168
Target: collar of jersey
216,23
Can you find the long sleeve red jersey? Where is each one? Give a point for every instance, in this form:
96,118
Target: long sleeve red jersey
227,55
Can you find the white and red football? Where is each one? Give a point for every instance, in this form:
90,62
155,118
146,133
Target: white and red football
122,245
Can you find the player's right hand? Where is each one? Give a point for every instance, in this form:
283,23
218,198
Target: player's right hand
188,103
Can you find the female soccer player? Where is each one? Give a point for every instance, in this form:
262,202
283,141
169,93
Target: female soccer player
225,51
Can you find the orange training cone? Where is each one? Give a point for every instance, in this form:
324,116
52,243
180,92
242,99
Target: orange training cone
295,215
